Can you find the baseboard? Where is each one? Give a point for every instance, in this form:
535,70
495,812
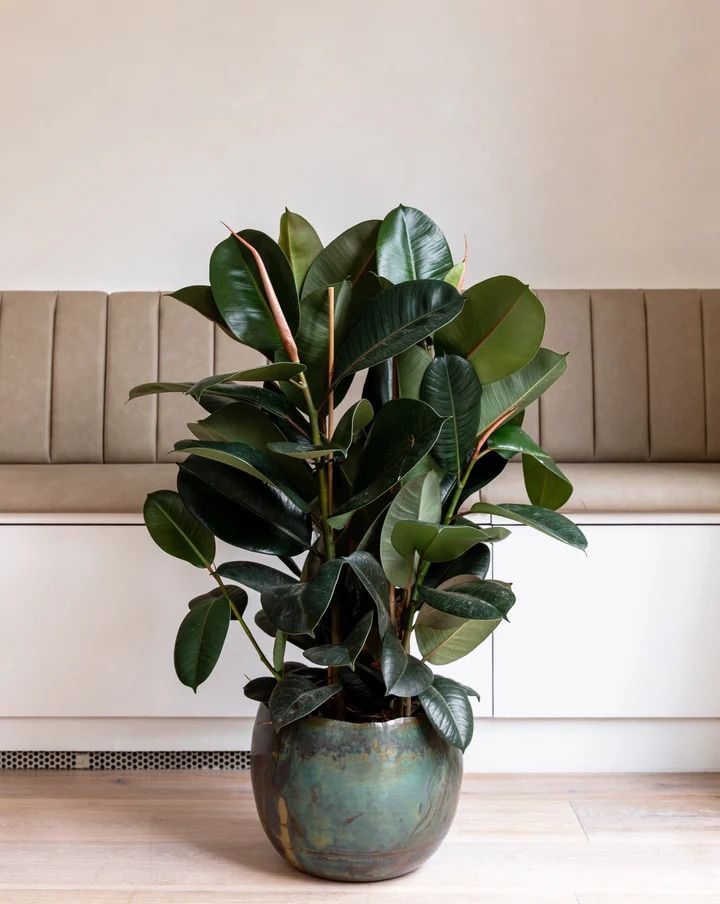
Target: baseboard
499,745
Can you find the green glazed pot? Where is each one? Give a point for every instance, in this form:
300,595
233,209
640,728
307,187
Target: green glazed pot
352,801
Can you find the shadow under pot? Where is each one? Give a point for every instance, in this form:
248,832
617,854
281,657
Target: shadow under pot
355,802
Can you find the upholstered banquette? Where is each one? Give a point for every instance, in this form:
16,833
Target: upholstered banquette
635,422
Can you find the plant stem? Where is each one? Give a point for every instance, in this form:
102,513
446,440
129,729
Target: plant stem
243,624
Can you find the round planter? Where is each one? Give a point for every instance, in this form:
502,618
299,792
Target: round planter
352,801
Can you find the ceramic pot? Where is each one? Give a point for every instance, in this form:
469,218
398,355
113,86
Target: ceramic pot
352,801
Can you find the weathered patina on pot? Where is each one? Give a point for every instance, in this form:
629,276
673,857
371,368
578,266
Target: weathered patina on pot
354,801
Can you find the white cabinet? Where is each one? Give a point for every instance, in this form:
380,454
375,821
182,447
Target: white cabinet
630,630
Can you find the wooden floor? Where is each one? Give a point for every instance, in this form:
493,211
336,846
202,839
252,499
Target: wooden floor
193,838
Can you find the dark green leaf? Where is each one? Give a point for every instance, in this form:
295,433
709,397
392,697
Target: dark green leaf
405,676
295,697
475,562
395,320
347,652
260,689
545,483
300,243
485,600
307,451
440,542
404,430
484,471
547,522
499,330
255,575
176,531
451,387
241,510
237,595
418,500
368,571
297,608
411,366
200,299
238,291
200,640
511,438
145,389
285,370
411,246
448,709
355,419
349,256
378,385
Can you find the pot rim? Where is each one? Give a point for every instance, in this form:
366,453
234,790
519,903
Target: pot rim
380,725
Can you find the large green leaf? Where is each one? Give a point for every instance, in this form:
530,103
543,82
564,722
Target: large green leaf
355,419
404,675
499,330
506,397
255,575
444,638
452,388
176,530
300,243
248,459
484,471
448,709
239,294
284,370
411,366
475,562
370,574
440,542
511,439
260,689
546,521
297,608
241,510
347,652
418,500
411,246
200,299
349,256
395,320
200,640
545,483
484,600
296,697
404,430
237,595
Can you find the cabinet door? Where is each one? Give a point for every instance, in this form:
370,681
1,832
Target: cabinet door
88,617
630,630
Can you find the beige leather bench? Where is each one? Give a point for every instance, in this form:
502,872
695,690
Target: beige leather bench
635,423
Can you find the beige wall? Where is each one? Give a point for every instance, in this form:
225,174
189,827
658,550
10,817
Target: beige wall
576,142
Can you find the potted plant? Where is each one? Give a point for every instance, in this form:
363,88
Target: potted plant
380,569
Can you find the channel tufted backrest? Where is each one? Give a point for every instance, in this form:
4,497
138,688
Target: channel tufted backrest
643,381
68,360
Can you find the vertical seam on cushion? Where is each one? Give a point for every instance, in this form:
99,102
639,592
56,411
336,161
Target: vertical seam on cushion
106,363
647,377
52,375
157,370
706,413
592,374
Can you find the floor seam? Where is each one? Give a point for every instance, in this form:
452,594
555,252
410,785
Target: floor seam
580,822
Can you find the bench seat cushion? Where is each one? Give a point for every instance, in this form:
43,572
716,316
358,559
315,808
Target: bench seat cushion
663,487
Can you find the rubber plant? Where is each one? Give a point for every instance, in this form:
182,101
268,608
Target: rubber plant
381,559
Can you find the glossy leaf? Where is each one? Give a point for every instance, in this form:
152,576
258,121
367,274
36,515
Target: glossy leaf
355,419
296,697
484,600
448,710
451,387
247,459
349,256
411,246
285,370
260,689
200,640
546,521
378,384
506,397
394,321
239,295
238,596
255,575
411,366
418,500
297,608
440,542
512,439
545,483
347,652
200,299
499,330
176,530
403,432
484,471
475,562
146,389
307,451
370,574
241,510
404,675
443,638
300,243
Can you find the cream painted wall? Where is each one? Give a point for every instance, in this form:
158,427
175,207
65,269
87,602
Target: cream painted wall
576,142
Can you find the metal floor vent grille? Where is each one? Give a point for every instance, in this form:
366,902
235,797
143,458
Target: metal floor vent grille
125,759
